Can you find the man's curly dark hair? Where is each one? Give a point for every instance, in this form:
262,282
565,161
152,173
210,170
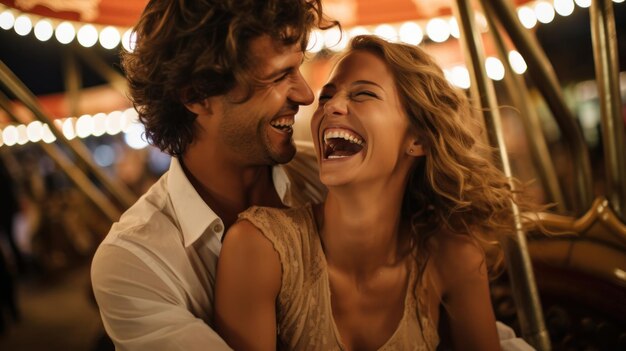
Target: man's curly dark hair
188,50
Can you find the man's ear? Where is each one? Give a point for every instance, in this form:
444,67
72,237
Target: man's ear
200,108
415,148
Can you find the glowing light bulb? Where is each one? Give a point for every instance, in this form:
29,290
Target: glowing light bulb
583,3
564,7
22,25
22,134
495,68
134,136
438,30
460,77
411,33
316,42
87,35
65,32
44,30
68,128
99,124
34,130
7,20
517,62
544,12
114,123
335,40
386,32
47,136
454,28
84,126
129,40
356,31
527,17
109,37
10,135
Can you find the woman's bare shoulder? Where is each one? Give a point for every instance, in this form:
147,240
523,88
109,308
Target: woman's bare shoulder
247,241
457,258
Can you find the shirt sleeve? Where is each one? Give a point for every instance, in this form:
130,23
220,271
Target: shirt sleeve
140,311
508,340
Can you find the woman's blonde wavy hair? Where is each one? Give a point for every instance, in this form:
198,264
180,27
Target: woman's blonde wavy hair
455,187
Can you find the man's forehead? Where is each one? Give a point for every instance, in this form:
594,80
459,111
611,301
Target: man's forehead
267,54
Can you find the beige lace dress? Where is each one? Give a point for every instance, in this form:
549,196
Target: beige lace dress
304,313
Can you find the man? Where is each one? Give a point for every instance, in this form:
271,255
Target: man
217,85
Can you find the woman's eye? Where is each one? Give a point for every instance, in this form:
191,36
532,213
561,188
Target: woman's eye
366,93
324,97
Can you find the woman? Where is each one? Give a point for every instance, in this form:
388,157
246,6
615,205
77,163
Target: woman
410,202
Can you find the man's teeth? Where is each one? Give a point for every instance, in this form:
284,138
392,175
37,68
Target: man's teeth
282,122
342,135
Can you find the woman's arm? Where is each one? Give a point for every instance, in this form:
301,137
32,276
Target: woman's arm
462,271
248,282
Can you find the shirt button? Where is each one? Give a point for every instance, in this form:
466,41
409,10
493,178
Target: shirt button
218,228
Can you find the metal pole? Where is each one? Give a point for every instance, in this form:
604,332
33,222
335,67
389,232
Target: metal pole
73,173
73,81
542,73
115,79
121,193
606,60
518,93
518,261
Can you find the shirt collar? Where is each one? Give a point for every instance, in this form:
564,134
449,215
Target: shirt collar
194,215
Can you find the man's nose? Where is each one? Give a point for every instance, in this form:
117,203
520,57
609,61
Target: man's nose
301,92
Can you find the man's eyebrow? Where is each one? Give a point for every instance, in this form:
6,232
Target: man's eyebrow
278,73
281,71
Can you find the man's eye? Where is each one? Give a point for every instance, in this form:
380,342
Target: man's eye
281,78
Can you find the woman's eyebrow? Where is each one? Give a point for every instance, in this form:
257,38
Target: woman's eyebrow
368,82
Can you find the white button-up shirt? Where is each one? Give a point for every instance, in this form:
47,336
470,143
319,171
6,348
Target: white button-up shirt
153,275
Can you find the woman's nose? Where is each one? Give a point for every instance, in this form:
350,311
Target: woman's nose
336,106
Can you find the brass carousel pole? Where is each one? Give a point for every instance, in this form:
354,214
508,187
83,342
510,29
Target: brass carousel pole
73,173
518,93
518,261
115,79
542,73
121,193
605,55
73,81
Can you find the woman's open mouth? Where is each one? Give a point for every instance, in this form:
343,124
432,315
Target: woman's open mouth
340,143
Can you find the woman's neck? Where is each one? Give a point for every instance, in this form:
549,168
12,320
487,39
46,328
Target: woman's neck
360,229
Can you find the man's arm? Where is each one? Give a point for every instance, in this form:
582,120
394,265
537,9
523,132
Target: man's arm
248,283
140,311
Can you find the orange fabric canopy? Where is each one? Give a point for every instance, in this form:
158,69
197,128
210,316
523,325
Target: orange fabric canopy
125,13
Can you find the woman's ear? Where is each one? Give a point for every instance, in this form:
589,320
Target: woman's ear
415,148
